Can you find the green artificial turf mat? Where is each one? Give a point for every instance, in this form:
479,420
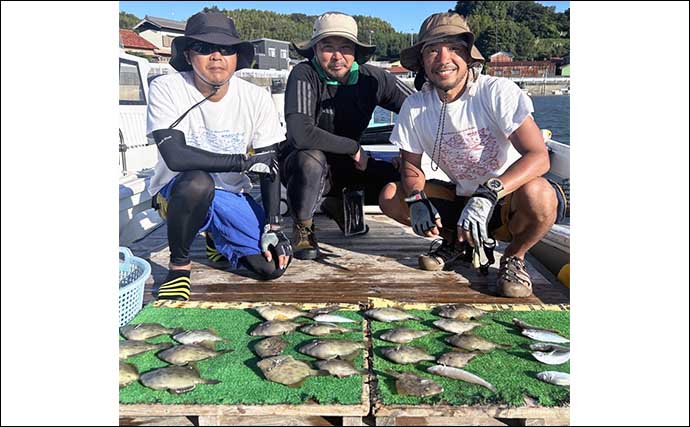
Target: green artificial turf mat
242,382
512,372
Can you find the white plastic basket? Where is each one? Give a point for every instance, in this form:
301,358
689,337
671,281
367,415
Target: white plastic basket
133,274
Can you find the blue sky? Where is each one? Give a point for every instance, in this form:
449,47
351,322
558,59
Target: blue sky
404,16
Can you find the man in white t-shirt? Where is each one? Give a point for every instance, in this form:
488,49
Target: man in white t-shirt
479,131
204,121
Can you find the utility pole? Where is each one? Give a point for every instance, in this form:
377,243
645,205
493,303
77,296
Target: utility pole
411,36
370,33
496,22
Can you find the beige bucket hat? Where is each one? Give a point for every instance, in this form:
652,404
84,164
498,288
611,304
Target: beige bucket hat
438,27
335,24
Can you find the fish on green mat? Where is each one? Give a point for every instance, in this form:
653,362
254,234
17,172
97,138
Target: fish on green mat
459,312
144,331
274,328
552,357
128,374
269,347
130,348
524,325
456,326
403,335
186,353
175,379
473,343
290,312
409,384
320,329
555,377
333,318
456,359
547,347
460,374
287,370
404,354
339,368
331,348
205,337
544,336
389,314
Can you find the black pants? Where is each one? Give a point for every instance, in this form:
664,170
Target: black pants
310,174
190,200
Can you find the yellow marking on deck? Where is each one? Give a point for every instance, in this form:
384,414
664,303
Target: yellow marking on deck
244,305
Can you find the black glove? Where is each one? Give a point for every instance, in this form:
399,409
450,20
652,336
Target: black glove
423,214
265,162
277,239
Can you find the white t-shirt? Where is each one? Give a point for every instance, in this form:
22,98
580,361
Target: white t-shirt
245,117
474,145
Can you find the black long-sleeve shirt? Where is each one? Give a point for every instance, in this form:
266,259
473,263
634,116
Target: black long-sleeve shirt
332,118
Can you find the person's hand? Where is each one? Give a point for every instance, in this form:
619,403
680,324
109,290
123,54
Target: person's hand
274,241
265,162
424,217
361,159
473,226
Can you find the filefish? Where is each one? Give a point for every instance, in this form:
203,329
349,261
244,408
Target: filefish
389,314
144,331
404,354
542,346
524,325
460,312
409,384
456,326
330,349
286,370
205,337
130,348
269,347
339,368
403,335
186,353
333,318
555,377
319,329
460,374
128,374
456,359
274,328
552,357
473,342
175,379
544,336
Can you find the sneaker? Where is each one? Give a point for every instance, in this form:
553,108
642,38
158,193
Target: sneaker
177,286
212,253
513,280
304,244
441,256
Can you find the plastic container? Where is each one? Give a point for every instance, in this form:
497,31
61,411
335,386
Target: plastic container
133,274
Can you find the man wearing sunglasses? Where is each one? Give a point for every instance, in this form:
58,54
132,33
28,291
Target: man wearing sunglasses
204,121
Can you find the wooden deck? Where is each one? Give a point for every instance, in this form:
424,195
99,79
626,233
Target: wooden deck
381,264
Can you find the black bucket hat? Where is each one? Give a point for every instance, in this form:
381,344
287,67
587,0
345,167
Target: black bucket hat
215,28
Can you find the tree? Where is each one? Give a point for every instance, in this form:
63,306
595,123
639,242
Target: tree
128,21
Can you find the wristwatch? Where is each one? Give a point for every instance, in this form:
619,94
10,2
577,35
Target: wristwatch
495,185
492,190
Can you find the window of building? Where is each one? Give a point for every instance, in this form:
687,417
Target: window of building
271,52
283,53
131,86
498,73
167,41
515,72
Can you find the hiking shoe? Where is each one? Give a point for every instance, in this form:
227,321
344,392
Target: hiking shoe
441,256
513,280
212,253
304,244
177,286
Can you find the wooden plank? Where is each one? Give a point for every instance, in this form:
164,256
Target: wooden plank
155,421
308,409
448,421
471,411
546,421
277,420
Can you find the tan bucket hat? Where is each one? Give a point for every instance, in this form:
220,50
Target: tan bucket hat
435,28
335,24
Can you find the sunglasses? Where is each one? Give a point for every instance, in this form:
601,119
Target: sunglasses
208,48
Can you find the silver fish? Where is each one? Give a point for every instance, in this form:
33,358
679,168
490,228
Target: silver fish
286,370
524,325
339,368
409,384
544,336
552,357
269,347
175,379
130,348
186,353
274,328
456,326
456,359
144,331
555,377
319,329
460,312
389,314
330,349
404,354
128,374
547,347
279,312
473,342
403,335
206,337
460,374
333,318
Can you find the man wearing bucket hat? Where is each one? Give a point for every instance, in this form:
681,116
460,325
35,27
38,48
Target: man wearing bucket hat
204,120
329,102
479,130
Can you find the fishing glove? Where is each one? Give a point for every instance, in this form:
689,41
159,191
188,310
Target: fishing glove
265,162
277,240
423,214
475,219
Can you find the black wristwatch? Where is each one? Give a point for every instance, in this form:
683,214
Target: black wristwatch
491,189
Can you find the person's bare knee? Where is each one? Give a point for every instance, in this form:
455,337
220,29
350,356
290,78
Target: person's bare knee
536,200
390,204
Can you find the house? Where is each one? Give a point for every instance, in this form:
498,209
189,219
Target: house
400,71
136,45
160,32
501,64
271,54
501,57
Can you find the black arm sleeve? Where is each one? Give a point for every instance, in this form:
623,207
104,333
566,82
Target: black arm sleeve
180,157
270,191
304,135
392,92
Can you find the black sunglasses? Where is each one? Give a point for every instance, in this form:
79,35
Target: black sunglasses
208,48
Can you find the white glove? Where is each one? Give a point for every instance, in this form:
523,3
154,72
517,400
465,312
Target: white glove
475,219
